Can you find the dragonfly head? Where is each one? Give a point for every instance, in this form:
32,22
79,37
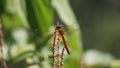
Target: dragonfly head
58,26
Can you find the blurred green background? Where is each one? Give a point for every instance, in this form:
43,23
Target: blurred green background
91,29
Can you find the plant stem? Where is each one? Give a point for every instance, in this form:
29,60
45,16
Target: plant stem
1,43
53,50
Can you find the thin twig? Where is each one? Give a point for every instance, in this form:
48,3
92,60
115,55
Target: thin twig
1,45
62,57
58,49
81,61
53,50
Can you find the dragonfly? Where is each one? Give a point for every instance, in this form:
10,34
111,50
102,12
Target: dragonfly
61,33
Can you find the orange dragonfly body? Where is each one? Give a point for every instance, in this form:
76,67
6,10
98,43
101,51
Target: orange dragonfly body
61,32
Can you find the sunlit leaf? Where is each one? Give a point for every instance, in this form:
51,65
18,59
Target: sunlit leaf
40,16
20,52
14,14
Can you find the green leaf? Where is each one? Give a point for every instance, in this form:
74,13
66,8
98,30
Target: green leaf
74,37
22,56
14,14
18,52
42,42
40,16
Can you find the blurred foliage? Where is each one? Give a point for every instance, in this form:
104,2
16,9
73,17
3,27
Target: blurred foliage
99,21
34,18
100,24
